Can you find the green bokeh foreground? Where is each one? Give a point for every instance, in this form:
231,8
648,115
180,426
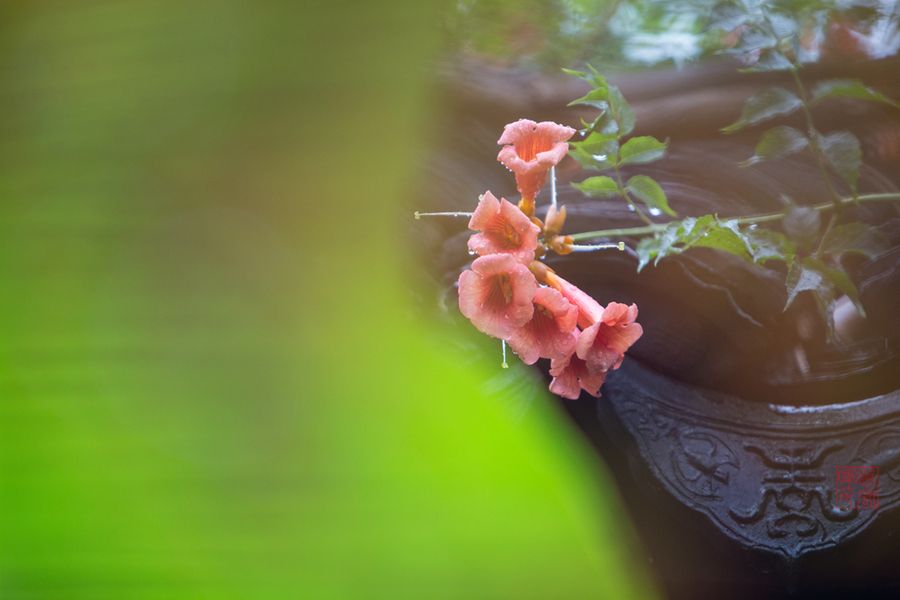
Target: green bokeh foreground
211,386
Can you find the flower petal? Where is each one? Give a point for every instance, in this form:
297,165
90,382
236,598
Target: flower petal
496,294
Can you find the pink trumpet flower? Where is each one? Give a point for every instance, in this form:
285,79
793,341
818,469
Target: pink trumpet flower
497,294
603,345
530,150
551,331
571,375
503,229
589,310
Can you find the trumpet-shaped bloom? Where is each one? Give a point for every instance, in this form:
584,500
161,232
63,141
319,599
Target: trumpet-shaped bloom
496,294
571,375
589,310
503,229
531,149
551,331
603,345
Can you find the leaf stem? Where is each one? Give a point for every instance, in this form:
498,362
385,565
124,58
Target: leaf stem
821,246
748,220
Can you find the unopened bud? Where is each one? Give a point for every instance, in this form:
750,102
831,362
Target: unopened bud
556,219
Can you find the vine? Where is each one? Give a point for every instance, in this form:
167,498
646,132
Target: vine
810,251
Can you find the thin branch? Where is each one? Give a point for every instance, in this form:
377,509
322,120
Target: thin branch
749,220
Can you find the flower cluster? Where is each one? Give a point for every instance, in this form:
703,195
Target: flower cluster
508,293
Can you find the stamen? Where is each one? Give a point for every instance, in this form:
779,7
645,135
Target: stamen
417,215
553,186
592,247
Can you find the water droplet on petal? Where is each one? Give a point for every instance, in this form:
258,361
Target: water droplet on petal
631,208
655,211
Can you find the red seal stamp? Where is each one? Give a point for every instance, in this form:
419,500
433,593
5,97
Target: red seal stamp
856,486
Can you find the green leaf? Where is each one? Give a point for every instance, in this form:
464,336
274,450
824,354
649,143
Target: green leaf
642,149
595,98
769,60
855,238
598,187
597,151
712,233
706,232
844,154
574,72
766,245
801,278
663,243
646,250
849,88
648,191
621,111
602,124
811,274
778,142
765,105
840,280
802,224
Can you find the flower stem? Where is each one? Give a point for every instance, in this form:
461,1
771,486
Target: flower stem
417,215
748,220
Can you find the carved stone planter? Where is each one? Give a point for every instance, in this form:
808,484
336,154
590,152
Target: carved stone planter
765,475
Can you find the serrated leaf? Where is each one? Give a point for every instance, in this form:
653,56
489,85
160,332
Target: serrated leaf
766,245
802,224
647,249
778,142
642,149
596,151
601,124
765,105
598,187
648,191
706,232
595,98
801,279
849,88
768,60
855,238
811,274
839,279
574,72
663,243
712,233
844,154
621,111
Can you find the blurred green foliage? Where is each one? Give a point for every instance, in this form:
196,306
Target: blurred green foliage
617,35
211,386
